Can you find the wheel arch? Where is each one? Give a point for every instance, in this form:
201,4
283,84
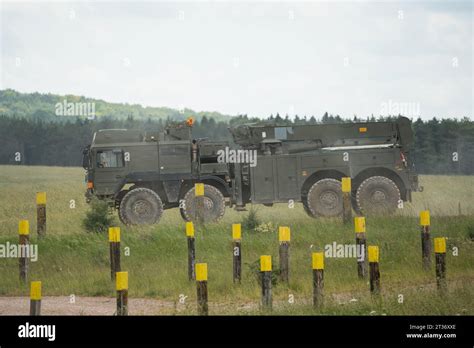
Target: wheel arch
320,174
211,180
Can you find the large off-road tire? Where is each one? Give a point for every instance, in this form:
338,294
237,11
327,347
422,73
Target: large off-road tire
306,208
325,198
377,195
214,205
183,215
141,206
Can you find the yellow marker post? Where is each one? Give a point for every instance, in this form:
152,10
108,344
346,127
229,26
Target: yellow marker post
425,239
199,208
265,263
284,234
359,224
266,270
374,269
189,229
373,253
237,252
201,272
440,259
425,218
41,214
35,298
440,245
24,241
121,285
236,231
318,261
41,198
361,246
191,249
199,189
318,278
346,200
114,246
284,252
201,286
346,185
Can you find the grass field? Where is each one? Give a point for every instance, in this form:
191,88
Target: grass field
73,261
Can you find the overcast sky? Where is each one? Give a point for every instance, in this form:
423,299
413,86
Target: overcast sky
256,58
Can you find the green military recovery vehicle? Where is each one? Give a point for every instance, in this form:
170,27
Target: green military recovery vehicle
142,173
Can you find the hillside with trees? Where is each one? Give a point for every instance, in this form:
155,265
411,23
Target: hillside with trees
28,127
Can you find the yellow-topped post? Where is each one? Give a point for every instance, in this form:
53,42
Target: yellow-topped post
114,247
35,298
440,259
284,251
199,203
191,249
41,213
425,239
121,286
346,200
374,271
24,241
266,272
201,286
361,246
237,252
317,260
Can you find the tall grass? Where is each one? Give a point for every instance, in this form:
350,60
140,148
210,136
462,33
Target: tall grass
72,261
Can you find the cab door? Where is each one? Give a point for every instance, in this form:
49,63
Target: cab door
109,169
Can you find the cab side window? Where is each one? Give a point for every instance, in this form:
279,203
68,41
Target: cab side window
109,158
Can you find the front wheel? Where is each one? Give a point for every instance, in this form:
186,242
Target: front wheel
141,206
377,195
212,209
324,198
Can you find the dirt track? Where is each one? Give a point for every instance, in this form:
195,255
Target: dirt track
60,305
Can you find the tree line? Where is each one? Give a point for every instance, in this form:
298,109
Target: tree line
444,146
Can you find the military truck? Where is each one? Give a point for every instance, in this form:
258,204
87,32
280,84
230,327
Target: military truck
143,173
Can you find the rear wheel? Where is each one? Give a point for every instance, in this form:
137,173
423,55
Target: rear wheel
377,195
140,206
324,198
213,207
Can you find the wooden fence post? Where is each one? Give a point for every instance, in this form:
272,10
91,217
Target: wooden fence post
35,298
237,252
346,200
318,278
24,237
201,286
440,255
41,214
266,271
284,238
122,293
425,239
374,269
361,246
114,242
191,250
199,203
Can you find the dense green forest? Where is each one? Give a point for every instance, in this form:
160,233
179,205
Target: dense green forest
27,137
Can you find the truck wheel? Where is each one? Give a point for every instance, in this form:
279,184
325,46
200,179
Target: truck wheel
325,198
140,206
183,215
214,205
306,208
377,195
